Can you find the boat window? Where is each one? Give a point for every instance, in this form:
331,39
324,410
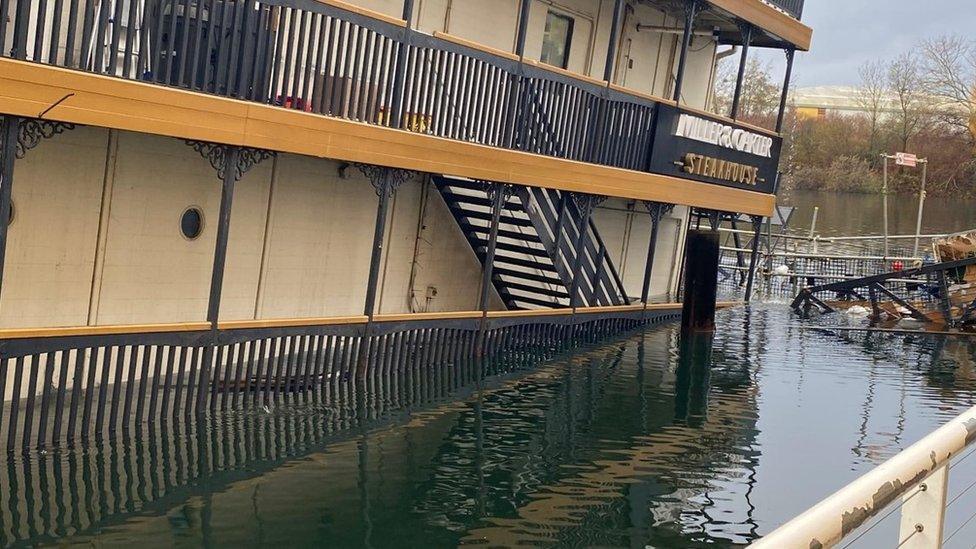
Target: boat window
557,39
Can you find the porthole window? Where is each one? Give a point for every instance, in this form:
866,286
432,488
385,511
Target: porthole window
191,223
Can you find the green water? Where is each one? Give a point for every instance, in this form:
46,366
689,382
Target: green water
645,441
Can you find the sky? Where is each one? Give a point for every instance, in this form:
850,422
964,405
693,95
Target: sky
846,33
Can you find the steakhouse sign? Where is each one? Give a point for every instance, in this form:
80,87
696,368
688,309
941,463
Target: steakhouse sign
713,150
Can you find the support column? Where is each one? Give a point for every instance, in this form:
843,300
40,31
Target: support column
754,257
400,68
407,11
657,210
8,155
385,181
585,203
498,193
746,30
618,9
790,53
229,179
523,26
691,10
701,281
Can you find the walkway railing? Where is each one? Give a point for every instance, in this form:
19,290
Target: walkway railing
793,8
64,385
914,482
334,59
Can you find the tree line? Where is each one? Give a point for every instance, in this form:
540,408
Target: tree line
922,101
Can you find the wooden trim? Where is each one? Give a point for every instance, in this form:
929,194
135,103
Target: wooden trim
770,19
28,89
569,73
474,45
364,11
408,317
291,322
25,333
642,95
529,313
729,121
615,308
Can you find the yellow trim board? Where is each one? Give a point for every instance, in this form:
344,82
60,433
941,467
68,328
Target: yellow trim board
25,333
28,89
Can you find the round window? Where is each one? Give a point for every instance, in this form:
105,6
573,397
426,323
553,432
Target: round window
191,224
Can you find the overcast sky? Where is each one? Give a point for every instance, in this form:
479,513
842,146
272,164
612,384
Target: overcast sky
847,33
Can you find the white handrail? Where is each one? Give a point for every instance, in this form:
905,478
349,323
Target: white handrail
920,468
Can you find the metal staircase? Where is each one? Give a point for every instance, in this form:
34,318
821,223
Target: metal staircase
536,248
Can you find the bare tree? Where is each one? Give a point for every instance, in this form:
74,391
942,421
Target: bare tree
759,97
871,96
905,86
949,77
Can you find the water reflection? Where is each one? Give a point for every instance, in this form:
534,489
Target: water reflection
650,440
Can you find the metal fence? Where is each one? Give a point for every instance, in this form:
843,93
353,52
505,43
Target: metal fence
323,59
60,389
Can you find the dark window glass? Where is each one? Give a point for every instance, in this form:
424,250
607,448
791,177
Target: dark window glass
191,224
557,39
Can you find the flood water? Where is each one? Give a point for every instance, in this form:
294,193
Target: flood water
643,441
852,214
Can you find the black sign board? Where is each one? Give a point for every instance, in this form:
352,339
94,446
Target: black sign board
704,148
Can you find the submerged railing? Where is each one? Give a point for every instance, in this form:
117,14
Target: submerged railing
333,59
62,386
915,482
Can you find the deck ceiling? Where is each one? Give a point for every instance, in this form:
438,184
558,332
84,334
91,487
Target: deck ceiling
776,29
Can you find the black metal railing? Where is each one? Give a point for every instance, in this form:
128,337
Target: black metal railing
320,58
792,7
64,389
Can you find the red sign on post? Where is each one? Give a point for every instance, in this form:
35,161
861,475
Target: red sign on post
906,159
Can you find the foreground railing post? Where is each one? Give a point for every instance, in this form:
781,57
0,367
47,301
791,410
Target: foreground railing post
923,512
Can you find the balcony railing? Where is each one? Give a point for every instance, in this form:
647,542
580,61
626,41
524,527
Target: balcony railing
793,8
324,59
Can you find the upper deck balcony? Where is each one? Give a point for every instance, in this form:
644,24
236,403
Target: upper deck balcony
337,60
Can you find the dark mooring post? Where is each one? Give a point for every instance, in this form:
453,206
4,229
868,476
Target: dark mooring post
757,222
8,154
790,54
618,10
700,281
691,10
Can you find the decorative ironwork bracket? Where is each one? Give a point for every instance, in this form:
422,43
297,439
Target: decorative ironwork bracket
657,209
384,180
491,188
32,131
216,154
586,201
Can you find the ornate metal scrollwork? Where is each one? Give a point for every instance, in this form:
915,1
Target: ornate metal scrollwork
491,188
657,209
586,201
32,130
216,154
384,180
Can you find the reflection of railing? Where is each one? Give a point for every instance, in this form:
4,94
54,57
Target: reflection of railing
65,385
326,59
914,481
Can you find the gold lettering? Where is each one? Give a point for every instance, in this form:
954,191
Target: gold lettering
715,168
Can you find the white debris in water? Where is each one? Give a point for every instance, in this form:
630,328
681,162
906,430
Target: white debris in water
781,270
857,310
